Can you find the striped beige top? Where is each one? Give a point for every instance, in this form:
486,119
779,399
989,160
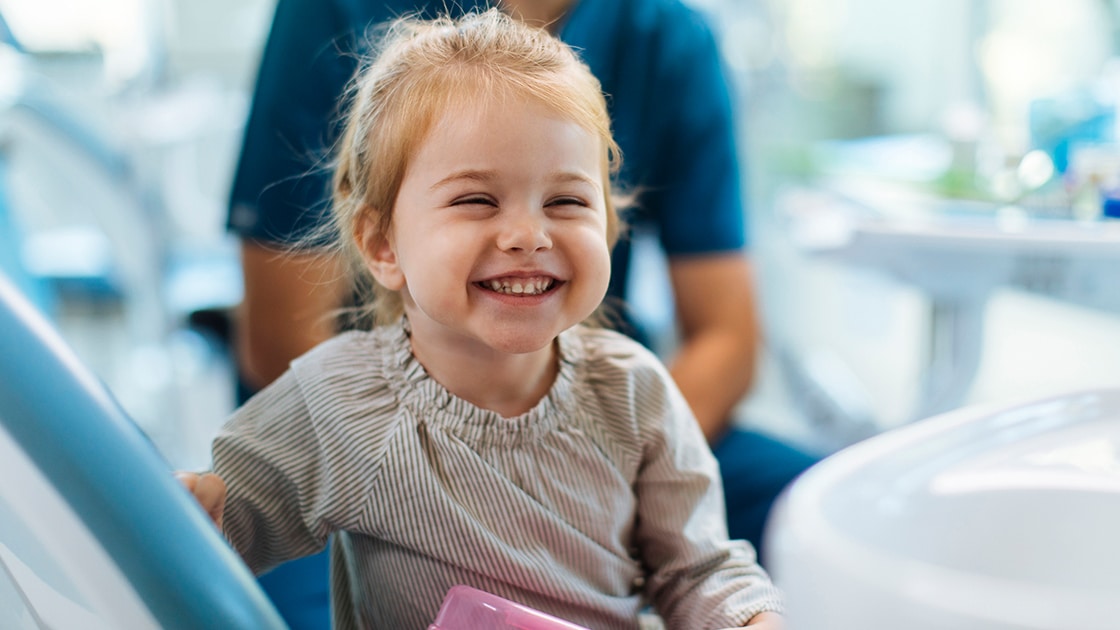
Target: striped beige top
600,499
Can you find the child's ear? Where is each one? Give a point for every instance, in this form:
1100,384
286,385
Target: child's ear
377,250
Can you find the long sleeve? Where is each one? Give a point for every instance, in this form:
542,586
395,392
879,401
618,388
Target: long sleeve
302,457
698,578
269,457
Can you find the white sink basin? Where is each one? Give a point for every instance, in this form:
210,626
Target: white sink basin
992,518
952,248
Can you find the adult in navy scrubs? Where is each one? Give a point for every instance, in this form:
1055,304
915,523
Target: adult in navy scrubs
673,115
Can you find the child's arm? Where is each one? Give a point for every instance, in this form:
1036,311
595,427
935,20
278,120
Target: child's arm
698,577
298,469
209,490
269,456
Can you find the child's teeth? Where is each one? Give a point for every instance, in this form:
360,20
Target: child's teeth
517,287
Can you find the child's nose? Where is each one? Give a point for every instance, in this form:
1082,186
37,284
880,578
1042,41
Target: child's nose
524,232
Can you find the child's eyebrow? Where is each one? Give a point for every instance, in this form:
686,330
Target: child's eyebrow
474,175
566,177
480,175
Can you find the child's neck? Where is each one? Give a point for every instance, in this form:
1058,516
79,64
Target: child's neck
509,384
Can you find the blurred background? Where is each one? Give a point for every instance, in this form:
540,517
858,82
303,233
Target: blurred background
932,186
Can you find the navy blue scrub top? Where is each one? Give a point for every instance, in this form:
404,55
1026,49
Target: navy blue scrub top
659,66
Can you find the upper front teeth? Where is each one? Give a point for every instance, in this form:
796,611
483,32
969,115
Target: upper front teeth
521,287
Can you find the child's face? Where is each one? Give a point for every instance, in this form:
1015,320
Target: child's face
500,228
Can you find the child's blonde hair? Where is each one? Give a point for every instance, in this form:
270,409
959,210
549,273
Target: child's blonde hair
422,70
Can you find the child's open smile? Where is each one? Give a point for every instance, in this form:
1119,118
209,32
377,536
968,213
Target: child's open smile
520,286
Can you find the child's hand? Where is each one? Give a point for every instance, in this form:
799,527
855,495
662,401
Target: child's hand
209,490
766,621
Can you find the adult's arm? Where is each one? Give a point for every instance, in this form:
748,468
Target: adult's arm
715,363
280,191
699,203
286,310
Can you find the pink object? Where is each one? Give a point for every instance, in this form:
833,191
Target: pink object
466,608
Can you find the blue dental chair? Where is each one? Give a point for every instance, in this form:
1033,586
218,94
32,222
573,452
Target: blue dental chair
95,532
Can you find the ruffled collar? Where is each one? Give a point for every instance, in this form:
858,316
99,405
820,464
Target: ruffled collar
433,404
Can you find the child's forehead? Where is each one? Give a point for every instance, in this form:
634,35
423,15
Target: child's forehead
486,134
481,98
465,108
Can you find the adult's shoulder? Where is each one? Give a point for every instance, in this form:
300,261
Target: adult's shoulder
612,28
676,24
366,13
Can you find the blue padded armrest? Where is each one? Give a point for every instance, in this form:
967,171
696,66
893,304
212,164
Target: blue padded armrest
103,465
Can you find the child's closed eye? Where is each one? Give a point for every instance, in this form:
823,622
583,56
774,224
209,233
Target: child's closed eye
567,201
474,200
569,207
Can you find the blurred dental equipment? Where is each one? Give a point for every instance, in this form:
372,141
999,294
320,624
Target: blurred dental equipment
95,532
993,517
103,211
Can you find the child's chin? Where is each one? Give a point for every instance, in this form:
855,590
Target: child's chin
521,346
514,342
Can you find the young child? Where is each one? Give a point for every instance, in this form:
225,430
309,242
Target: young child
480,434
